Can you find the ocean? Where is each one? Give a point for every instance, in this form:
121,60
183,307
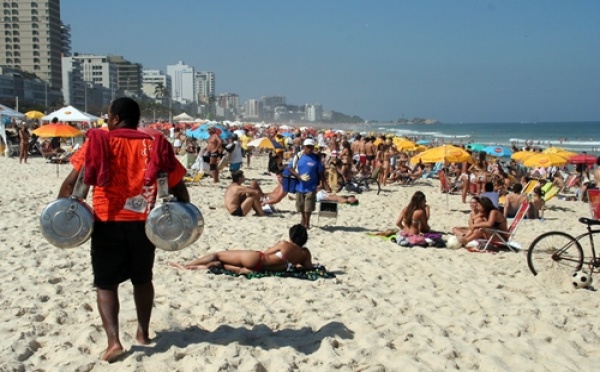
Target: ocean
572,136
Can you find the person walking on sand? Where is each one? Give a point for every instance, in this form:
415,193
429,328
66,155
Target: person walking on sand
122,164
214,149
309,170
239,199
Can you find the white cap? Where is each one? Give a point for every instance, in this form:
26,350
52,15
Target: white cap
309,142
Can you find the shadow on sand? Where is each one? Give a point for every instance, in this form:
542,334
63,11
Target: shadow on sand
304,340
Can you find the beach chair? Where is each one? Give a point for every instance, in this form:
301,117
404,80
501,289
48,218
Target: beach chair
530,186
445,185
551,192
327,209
567,193
503,239
594,201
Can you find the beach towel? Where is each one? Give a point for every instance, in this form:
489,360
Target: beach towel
313,274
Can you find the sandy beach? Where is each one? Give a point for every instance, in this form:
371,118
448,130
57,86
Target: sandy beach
389,308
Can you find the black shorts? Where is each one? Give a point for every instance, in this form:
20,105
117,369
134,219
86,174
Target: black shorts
121,251
238,212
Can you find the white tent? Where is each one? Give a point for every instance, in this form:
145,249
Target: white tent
7,111
183,117
70,113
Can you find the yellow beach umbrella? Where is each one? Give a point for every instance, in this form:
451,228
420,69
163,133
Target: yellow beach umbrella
544,160
402,144
445,153
553,150
522,155
377,142
34,115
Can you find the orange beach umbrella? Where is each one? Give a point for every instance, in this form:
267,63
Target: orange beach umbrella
57,130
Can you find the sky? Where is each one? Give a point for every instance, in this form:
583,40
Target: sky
454,61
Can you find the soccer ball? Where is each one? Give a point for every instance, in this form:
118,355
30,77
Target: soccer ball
581,279
453,243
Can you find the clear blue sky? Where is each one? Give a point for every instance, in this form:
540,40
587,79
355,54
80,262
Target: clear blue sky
455,61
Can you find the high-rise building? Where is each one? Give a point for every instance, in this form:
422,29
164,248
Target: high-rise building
32,38
129,75
73,87
204,85
314,112
154,78
253,109
182,80
98,70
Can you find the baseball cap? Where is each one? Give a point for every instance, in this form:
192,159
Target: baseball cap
309,142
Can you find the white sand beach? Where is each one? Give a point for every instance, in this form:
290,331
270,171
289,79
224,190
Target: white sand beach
389,309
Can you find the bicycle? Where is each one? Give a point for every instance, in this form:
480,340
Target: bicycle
357,183
557,251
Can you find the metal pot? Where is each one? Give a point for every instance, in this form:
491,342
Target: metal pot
173,225
68,222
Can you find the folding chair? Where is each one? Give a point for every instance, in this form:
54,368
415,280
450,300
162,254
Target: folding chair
499,238
567,192
445,185
530,186
552,192
327,209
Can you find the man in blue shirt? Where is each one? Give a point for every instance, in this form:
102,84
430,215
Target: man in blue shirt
309,171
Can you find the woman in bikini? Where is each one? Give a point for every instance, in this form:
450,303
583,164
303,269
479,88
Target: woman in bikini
346,157
284,255
413,218
494,219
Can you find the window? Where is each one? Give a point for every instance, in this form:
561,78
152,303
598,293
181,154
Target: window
15,26
17,54
8,40
36,53
17,61
6,19
36,67
9,60
7,33
35,33
15,12
16,47
16,40
9,54
36,40
6,12
34,4
35,26
15,19
36,60
34,12
36,46
16,33
8,46
34,19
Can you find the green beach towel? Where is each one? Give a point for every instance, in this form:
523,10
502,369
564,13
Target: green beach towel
315,273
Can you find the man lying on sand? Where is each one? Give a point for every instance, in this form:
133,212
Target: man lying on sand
283,255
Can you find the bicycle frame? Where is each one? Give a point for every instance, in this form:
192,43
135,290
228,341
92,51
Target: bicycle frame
593,261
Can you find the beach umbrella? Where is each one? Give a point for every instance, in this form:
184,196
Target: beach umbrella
522,155
202,131
402,144
423,142
445,153
544,160
583,159
477,147
265,143
57,130
553,150
498,151
34,114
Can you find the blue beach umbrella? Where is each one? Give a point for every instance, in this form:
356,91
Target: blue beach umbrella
477,147
202,132
423,142
498,151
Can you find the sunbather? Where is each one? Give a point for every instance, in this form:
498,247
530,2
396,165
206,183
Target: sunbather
324,195
283,255
413,218
494,219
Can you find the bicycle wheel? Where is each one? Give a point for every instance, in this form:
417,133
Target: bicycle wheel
555,251
370,183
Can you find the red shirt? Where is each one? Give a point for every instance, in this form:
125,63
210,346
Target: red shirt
128,159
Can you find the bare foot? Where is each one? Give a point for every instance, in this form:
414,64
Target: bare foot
112,353
142,338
